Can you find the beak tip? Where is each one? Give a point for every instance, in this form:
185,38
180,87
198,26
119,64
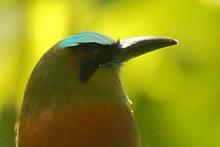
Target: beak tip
174,41
169,41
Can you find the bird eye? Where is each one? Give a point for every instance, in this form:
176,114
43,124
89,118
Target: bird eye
94,52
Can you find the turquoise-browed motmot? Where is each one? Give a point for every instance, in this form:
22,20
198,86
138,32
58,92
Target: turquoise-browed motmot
74,96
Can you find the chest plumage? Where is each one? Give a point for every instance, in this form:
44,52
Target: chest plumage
91,125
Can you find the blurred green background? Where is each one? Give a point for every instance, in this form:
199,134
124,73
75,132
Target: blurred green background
175,91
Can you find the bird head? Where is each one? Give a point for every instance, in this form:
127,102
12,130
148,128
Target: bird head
93,51
84,66
75,89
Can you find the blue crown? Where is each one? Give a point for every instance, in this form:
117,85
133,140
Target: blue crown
85,37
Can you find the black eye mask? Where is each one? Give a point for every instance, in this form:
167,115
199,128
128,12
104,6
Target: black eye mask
97,56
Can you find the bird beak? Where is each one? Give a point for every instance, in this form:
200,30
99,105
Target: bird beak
133,47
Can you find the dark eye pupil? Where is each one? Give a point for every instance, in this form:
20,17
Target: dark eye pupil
95,51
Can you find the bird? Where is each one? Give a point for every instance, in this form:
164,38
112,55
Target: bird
74,96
